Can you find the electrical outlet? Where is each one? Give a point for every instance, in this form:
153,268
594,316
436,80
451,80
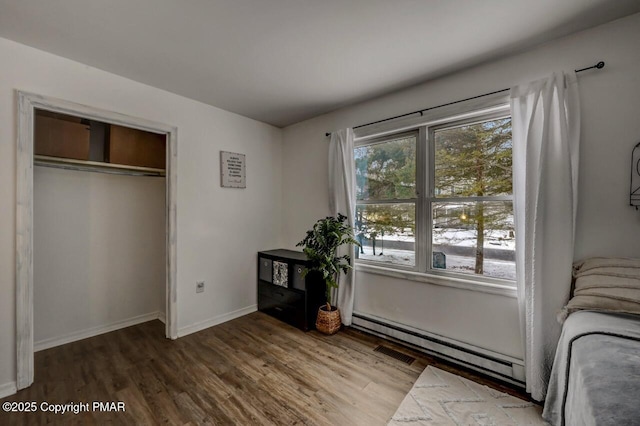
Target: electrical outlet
199,286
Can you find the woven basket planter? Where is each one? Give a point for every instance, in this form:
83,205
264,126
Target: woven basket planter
328,322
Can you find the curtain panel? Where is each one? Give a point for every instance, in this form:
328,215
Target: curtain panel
342,188
546,131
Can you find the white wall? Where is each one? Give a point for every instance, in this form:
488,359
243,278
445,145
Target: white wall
99,252
219,230
610,101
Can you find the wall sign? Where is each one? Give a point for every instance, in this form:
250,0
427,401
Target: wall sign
232,170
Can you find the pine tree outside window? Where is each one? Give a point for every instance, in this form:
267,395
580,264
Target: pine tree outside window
439,199
386,199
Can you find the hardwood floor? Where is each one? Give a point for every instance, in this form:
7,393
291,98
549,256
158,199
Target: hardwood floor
254,370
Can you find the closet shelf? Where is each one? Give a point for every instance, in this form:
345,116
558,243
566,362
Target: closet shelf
94,166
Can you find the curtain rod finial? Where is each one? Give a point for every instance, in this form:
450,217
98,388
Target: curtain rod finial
327,134
600,65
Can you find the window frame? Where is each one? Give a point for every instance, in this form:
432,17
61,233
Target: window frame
422,269
420,184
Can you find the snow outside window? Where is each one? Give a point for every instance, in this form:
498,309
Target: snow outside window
439,199
386,200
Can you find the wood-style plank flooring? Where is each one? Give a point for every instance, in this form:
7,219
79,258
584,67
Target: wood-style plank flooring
255,370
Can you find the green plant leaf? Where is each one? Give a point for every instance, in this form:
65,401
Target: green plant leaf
321,244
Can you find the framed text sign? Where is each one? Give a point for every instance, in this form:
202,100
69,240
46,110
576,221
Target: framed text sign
232,170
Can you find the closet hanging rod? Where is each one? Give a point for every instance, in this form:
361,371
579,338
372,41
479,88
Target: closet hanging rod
93,166
599,65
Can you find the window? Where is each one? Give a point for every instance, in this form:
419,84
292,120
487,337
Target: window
386,199
439,199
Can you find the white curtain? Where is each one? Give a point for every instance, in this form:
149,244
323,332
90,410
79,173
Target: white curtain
342,188
546,131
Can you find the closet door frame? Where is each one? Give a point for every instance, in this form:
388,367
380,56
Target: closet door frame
27,104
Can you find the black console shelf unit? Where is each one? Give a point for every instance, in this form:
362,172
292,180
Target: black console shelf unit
284,292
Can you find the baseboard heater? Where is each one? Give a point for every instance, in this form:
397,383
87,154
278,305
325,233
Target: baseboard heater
499,366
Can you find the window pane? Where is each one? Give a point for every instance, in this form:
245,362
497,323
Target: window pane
455,243
386,232
474,160
386,170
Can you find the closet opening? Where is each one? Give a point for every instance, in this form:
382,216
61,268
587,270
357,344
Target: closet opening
96,225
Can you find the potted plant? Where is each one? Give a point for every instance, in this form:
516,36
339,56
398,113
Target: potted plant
321,245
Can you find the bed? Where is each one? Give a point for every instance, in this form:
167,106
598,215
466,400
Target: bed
596,372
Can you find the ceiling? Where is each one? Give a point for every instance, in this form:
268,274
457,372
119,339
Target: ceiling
283,61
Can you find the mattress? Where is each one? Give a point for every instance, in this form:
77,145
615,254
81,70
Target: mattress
596,372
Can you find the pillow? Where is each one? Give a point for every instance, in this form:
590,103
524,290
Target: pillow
624,263
606,284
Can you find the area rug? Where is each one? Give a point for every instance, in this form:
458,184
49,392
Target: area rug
442,398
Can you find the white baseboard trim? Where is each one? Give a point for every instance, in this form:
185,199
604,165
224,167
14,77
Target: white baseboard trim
494,364
8,389
94,331
162,317
193,328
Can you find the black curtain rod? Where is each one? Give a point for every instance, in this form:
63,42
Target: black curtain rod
599,65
